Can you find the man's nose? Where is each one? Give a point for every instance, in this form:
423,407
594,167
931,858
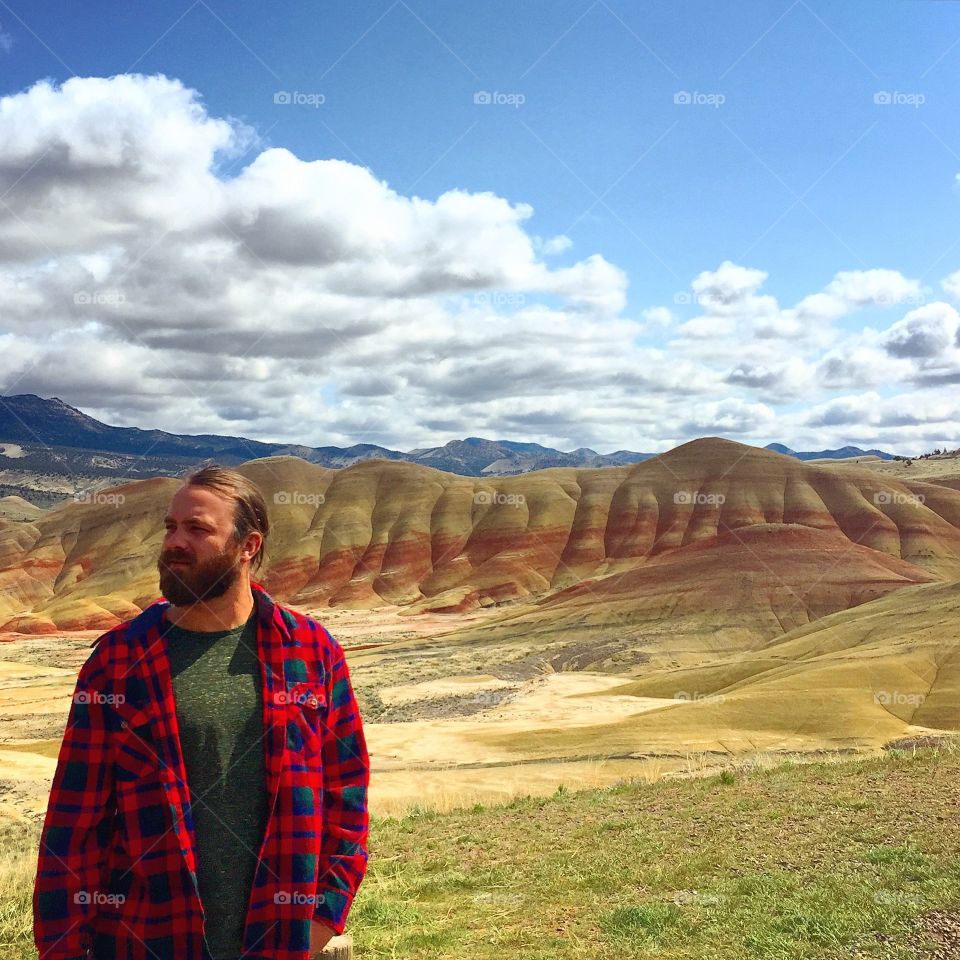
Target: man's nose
174,540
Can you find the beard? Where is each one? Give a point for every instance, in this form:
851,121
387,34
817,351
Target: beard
197,582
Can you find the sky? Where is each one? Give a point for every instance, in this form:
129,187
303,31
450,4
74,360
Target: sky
585,224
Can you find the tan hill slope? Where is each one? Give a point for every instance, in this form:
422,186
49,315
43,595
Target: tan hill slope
396,533
857,678
942,468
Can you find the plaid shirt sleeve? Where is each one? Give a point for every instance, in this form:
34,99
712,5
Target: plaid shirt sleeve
346,778
78,825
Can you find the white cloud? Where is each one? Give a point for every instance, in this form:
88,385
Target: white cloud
871,410
730,301
850,290
727,287
732,416
927,332
558,244
657,318
952,285
160,267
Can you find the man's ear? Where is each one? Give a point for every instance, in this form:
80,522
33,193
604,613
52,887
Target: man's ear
251,545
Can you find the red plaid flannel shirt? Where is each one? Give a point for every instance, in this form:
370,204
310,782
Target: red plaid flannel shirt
116,872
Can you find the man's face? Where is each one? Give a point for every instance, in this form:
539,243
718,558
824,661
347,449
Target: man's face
199,559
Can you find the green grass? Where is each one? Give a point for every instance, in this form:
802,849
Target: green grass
18,865
819,861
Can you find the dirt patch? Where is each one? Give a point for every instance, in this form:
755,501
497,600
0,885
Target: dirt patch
54,650
33,727
374,709
940,932
617,655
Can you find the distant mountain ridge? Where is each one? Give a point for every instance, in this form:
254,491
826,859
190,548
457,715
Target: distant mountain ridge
65,450
840,454
36,423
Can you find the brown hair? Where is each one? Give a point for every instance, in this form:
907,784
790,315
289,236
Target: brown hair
249,507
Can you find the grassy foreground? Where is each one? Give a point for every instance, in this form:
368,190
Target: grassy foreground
802,860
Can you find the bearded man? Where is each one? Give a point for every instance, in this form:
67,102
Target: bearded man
209,801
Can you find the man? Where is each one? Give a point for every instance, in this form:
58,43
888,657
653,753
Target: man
209,801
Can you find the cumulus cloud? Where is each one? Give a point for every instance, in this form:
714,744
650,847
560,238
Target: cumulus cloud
108,157
855,289
730,417
898,413
657,319
554,245
926,332
160,266
730,299
774,382
951,284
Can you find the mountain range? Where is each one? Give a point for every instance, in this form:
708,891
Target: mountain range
50,450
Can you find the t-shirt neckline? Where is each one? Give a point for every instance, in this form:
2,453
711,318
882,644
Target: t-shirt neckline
205,634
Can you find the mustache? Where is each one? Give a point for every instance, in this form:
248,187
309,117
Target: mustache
175,557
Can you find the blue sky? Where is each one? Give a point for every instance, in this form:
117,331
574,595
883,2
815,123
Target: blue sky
788,162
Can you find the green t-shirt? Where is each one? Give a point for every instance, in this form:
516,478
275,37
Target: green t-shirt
217,687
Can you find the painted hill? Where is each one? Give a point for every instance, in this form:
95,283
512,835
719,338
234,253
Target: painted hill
679,535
